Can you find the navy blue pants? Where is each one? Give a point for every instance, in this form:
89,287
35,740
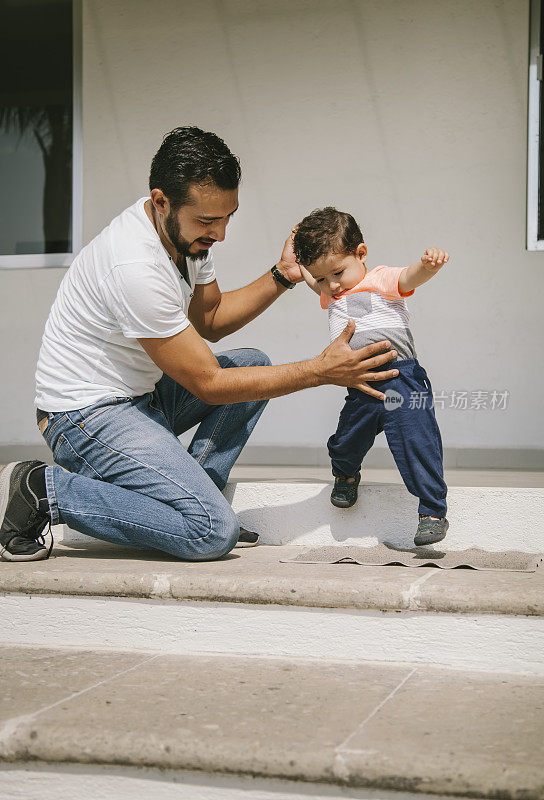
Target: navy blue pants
410,426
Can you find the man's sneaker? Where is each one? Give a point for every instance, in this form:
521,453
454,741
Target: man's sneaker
430,531
247,538
24,512
344,493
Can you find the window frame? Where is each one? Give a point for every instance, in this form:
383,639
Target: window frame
533,119
45,260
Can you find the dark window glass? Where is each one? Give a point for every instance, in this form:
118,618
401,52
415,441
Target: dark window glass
36,126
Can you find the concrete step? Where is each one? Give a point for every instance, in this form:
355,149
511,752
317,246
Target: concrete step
97,595
339,729
492,510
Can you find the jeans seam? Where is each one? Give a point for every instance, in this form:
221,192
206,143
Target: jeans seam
211,436
156,406
153,469
159,409
51,496
186,406
136,524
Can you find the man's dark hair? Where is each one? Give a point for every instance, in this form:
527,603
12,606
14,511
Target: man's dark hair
190,155
323,232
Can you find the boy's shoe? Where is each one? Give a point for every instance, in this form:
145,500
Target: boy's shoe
344,493
430,531
24,512
247,539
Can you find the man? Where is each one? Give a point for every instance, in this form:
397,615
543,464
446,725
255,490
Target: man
124,369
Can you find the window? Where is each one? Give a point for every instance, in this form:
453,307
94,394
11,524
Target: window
40,133
535,161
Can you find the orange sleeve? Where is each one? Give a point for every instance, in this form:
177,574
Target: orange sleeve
385,280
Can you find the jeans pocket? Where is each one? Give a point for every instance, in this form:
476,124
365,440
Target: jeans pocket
51,426
90,412
68,458
93,414
422,376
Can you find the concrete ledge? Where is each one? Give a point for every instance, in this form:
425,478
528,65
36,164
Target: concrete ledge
488,458
249,603
383,727
483,642
54,781
480,458
493,518
256,576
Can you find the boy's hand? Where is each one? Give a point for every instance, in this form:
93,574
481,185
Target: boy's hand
287,264
434,259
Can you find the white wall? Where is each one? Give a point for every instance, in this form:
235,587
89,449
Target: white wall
411,115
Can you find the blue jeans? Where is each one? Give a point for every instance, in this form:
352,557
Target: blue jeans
130,481
410,428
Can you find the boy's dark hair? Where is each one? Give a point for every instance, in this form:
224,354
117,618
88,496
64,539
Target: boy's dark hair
190,155
323,232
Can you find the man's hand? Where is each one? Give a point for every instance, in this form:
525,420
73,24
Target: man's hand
189,361
287,264
340,365
310,280
434,259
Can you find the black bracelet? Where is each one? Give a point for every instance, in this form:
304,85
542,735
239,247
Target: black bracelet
281,279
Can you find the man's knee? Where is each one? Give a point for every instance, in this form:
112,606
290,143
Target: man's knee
244,357
224,540
259,359
217,537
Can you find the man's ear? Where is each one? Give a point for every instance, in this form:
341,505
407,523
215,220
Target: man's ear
160,201
361,252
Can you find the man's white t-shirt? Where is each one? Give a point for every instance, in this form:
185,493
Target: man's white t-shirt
123,285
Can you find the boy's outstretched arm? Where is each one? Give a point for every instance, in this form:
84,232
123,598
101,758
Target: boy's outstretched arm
310,280
433,259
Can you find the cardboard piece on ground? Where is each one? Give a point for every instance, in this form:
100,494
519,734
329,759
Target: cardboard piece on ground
385,554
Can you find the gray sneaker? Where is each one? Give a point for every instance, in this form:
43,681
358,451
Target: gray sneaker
23,515
430,531
344,492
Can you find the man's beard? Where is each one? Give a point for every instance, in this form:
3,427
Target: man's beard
171,226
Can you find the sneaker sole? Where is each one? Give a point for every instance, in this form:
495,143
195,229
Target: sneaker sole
247,544
5,483
342,503
37,556
429,540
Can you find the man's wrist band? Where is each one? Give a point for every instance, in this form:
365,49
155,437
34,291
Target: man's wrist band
281,279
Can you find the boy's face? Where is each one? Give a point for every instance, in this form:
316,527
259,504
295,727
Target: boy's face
335,273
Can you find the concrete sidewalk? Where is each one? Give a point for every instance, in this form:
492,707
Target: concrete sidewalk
382,726
345,679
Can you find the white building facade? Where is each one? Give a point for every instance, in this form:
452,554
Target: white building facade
411,115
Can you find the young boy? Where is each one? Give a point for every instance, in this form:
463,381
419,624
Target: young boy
330,250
